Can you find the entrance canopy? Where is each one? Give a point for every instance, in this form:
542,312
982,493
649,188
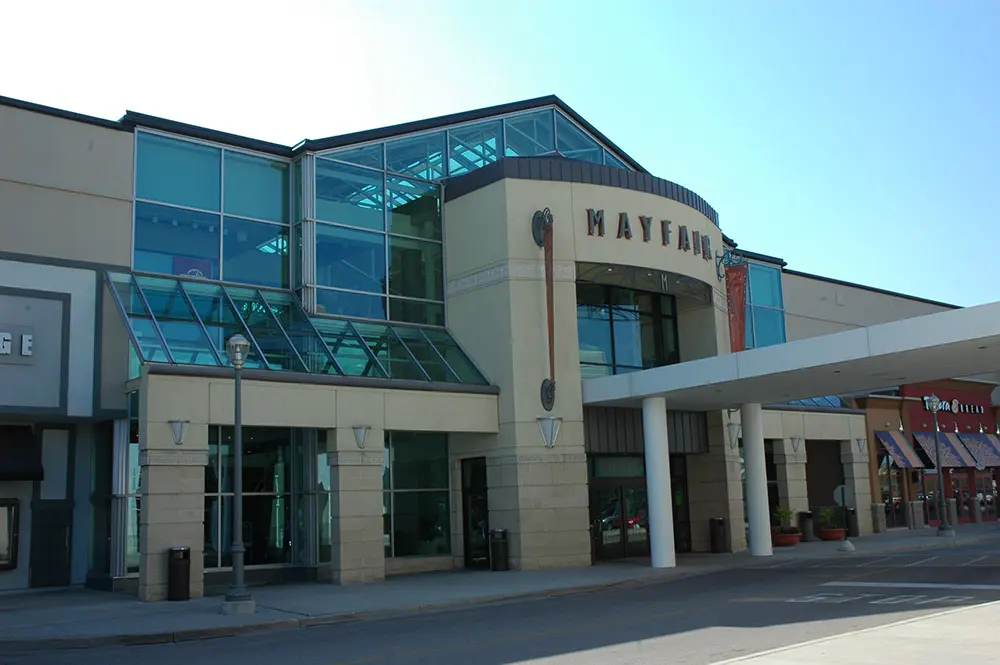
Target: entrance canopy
956,343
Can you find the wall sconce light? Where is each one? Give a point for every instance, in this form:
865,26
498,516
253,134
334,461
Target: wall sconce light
900,426
549,427
956,428
796,443
735,430
981,430
360,434
862,444
997,432
178,428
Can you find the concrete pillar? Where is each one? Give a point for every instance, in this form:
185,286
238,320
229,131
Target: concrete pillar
356,532
915,515
658,493
952,507
859,489
878,518
715,487
172,480
756,483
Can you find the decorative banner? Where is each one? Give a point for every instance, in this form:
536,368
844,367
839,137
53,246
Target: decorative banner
736,297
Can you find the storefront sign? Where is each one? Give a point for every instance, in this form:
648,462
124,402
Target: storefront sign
954,406
685,240
17,345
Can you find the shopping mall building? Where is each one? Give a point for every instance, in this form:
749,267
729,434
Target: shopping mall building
495,319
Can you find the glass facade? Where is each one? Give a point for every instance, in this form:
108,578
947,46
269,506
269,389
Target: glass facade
186,322
269,497
621,330
416,513
765,317
212,212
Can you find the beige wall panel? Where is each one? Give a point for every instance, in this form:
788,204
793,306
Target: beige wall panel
43,150
475,230
274,404
439,412
815,307
693,320
65,225
114,343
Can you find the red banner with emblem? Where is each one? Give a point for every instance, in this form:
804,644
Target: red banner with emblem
736,297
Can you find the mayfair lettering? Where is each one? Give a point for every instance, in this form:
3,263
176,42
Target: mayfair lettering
624,228
954,406
595,222
686,239
25,344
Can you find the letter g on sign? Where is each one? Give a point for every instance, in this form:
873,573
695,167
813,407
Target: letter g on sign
4,344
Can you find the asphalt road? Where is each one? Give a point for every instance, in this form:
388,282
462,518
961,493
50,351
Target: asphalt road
699,620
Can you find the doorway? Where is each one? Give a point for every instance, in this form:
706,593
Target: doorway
51,522
475,513
620,521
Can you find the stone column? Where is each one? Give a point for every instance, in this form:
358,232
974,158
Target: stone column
756,474
878,518
859,490
661,512
952,507
791,470
356,532
915,515
715,488
172,480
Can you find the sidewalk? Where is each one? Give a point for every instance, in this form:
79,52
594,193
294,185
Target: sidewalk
70,618
926,639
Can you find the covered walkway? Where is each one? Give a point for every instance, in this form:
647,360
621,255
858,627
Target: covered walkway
957,343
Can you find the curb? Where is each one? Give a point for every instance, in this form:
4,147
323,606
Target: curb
194,634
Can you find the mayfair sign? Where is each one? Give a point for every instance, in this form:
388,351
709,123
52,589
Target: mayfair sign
682,238
954,406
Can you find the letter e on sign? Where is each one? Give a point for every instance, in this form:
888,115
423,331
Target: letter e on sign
27,344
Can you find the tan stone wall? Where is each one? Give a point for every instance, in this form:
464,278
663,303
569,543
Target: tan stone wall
715,488
66,188
496,310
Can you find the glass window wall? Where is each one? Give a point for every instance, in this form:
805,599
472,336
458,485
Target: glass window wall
530,134
416,501
474,146
268,530
186,322
574,143
622,330
420,156
765,315
179,226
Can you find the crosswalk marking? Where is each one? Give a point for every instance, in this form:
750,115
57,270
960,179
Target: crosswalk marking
913,585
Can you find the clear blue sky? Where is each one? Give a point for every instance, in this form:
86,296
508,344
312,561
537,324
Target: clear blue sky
855,139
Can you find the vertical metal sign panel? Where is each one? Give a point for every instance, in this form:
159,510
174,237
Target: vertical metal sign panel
119,501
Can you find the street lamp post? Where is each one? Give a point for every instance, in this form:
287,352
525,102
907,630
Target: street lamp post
238,600
944,527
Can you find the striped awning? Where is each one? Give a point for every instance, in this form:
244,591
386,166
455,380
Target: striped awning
899,449
954,454
984,447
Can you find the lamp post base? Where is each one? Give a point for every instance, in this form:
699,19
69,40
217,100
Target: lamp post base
945,531
244,606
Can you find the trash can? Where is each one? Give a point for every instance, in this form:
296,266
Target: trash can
806,526
717,534
499,553
853,530
179,573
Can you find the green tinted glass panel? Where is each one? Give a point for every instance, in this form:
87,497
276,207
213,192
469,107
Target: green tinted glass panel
573,142
415,208
611,160
348,348
127,293
416,268
219,318
150,346
273,344
393,356
421,156
180,172
349,195
416,311
425,354
419,460
473,147
369,155
457,360
530,134
185,337
304,337
256,187
255,253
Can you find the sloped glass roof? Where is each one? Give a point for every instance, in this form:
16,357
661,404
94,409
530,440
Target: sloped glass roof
827,401
187,322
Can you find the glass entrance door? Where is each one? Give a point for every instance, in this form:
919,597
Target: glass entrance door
475,513
986,493
962,484
620,522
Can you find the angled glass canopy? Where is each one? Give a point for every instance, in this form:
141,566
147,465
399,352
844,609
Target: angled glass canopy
187,322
